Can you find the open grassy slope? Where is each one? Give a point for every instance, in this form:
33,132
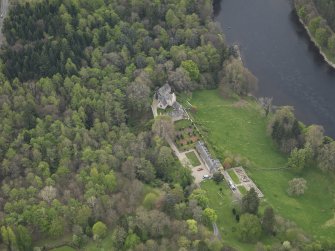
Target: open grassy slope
223,204
239,128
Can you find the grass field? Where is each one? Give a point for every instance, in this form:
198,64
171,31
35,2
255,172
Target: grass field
235,127
234,177
193,159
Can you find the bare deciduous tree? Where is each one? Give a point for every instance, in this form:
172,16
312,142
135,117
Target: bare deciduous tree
237,79
266,103
48,193
297,186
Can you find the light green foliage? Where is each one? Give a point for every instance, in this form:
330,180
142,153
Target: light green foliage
287,245
56,227
210,215
300,158
171,19
8,237
99,230
110,181
192,157
149,200
5,236
191,68
24,239
314,24
249,228
192,226
234,177
331,42
302,13
200,196
184,243
321,36
131,241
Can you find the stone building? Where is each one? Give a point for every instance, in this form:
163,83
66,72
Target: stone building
212,164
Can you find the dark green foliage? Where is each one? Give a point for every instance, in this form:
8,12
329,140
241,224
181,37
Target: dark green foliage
327,10
286,130
45,45
24,240
218,177
249,228
250,202
268,220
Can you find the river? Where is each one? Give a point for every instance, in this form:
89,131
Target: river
276,48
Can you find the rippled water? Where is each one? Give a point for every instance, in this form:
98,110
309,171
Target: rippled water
276,48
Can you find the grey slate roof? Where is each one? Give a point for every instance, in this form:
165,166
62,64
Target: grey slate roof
165,90
164,95
213,164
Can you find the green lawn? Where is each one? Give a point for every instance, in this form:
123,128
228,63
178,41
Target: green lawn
233,176
242,190
181,124
223,204
238,128
193,159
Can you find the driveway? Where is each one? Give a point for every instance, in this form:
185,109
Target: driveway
198,175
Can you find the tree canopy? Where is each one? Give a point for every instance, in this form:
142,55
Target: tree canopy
76,145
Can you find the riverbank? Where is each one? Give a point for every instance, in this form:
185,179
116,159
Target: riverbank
324,55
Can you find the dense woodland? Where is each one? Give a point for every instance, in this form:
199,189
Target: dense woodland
80,154
327,9
318,17
76,158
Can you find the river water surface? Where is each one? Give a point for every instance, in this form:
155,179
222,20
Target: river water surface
276,48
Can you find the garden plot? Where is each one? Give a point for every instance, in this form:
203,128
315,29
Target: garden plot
186,135
245,181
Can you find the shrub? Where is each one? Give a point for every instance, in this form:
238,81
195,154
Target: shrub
227,163
297,186
218,177
233,211
249,228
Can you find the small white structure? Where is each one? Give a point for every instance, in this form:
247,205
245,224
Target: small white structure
165,97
